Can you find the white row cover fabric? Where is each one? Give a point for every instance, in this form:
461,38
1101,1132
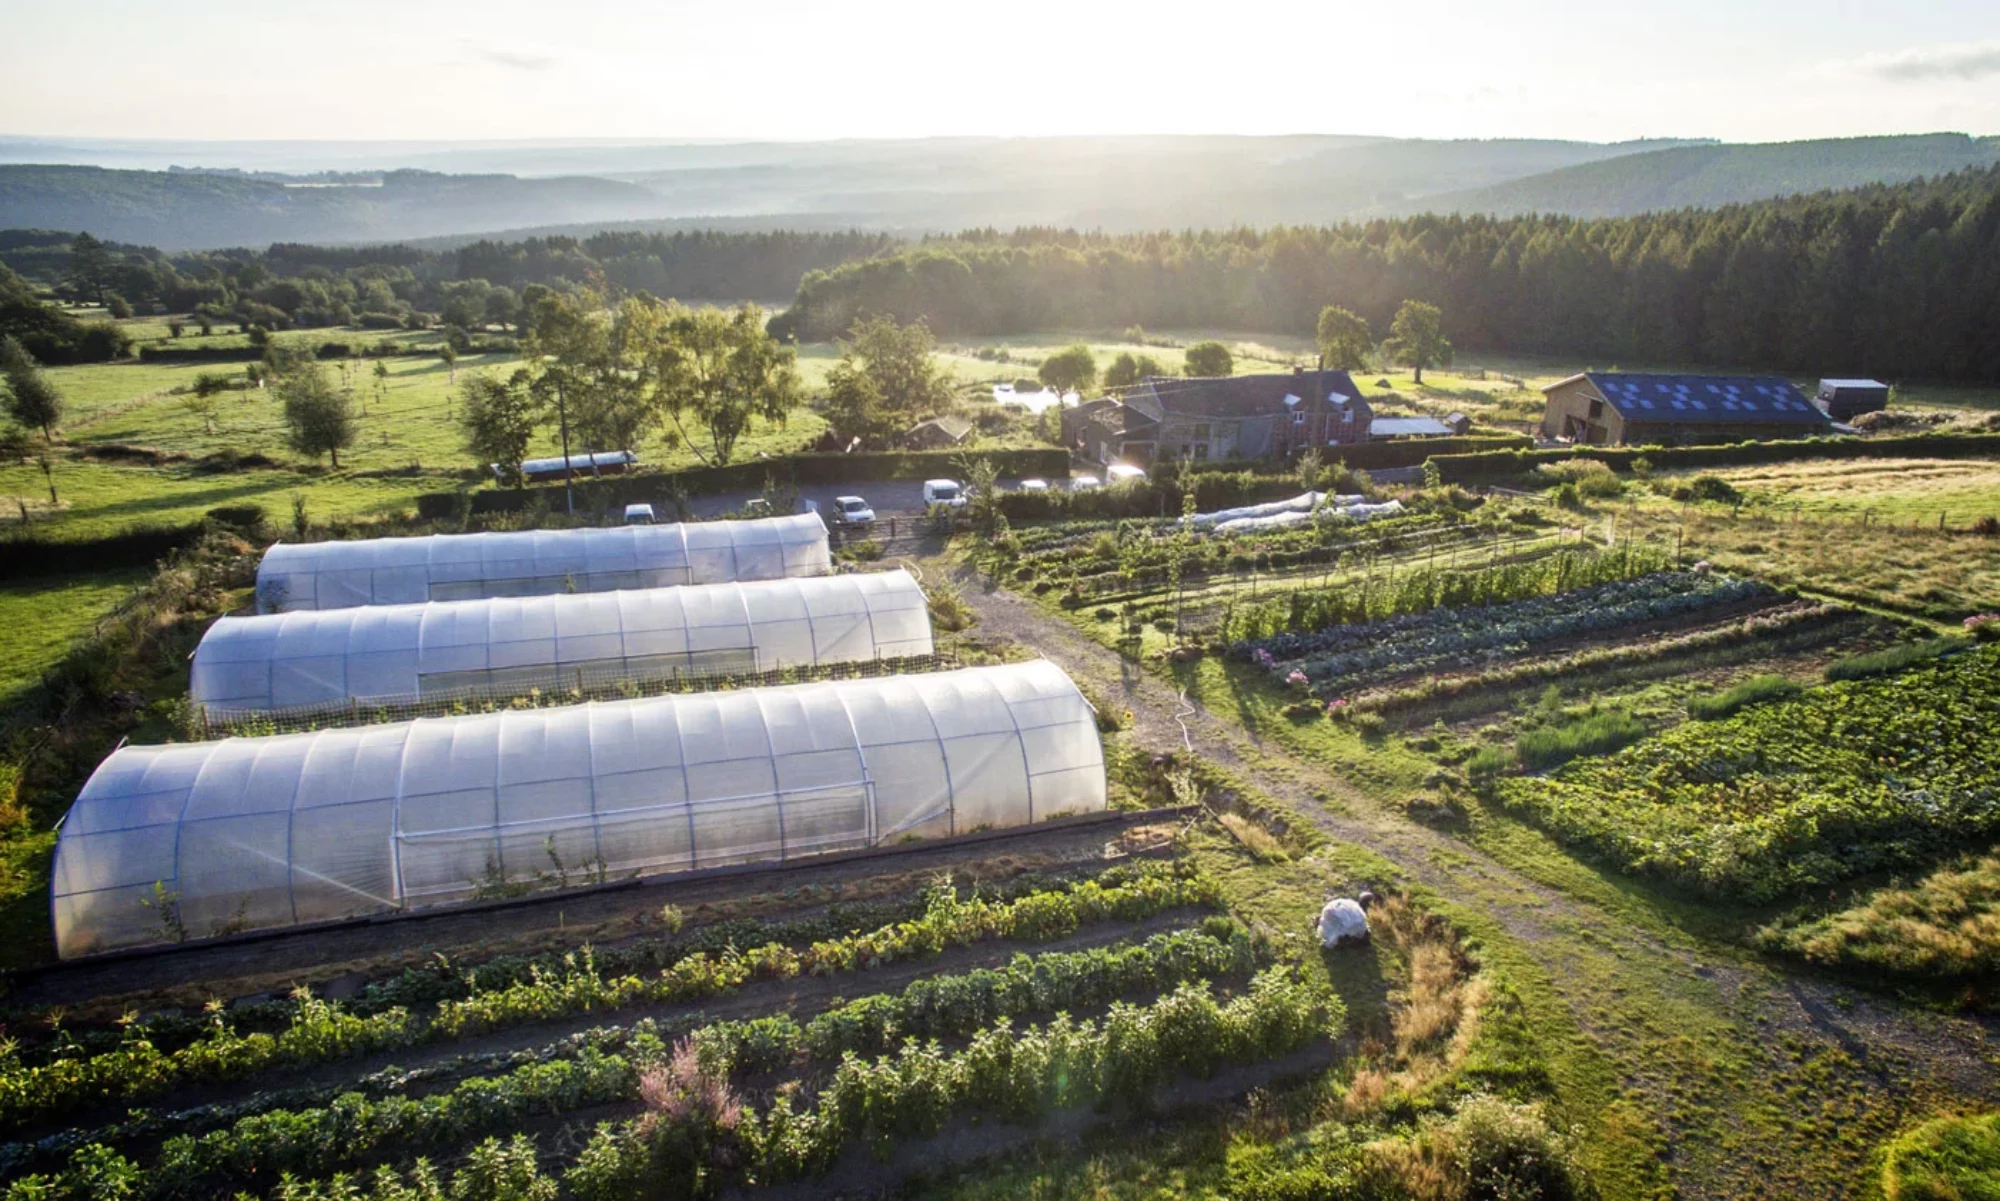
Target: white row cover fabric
253,833
1359,510
385,653
401,571
1304,502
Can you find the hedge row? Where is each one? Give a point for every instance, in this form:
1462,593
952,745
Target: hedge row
1495,464
22,557
658,488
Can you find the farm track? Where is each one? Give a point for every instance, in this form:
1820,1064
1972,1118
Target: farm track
1906,1062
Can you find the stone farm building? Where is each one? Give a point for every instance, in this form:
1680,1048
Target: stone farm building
1603,408
1230,417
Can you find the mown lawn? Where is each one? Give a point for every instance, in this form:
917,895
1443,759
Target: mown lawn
100,499
40,617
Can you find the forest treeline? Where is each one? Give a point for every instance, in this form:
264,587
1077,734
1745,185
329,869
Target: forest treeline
387,287
1897,280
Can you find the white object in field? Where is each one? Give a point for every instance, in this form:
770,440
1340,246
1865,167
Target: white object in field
1357,510
399,571
1342,922
256,833
1118,473
1304,502
379,654
1034,402
639,515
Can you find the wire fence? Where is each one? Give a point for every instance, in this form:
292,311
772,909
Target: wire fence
565,686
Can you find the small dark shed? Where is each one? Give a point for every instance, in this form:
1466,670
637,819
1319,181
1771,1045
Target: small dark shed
1845,399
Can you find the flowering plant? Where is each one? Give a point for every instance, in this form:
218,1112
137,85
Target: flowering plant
1297,679
1983,625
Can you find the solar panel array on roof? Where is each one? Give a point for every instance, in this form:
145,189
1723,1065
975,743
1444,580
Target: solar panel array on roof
1706,399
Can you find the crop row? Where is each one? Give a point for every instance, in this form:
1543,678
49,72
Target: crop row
1423,589
357,1129
1433,689
1014,1074
1847,779
445,979
1445,638
322,1031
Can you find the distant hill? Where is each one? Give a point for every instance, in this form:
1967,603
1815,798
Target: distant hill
915,187
191,210
1709,176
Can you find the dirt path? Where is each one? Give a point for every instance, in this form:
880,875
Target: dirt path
1759,1039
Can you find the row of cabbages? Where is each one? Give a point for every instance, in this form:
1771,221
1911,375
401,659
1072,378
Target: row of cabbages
1336,655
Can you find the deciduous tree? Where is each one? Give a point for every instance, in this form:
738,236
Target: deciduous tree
90,266
886,380
718,371
1417,340
1344,342
1210,359
319,418
1071,369
31,399
499,419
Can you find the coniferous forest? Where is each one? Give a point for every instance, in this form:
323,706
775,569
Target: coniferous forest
1896,280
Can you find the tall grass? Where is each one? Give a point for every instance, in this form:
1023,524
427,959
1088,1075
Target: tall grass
1586,734
1893,659
1757,690
1949,1159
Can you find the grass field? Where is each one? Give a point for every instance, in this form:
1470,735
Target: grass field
1894,491
40,617
99,499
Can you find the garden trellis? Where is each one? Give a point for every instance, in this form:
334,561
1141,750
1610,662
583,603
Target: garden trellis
194,839
393,571
506,646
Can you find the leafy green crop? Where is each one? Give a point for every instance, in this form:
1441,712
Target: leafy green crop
1850,778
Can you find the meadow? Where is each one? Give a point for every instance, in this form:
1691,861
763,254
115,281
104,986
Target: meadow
39,618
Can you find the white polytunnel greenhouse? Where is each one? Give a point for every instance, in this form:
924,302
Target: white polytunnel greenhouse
255,833
508,645
398,571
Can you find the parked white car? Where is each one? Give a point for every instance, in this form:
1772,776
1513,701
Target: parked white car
1032,486
944,492
639,515
852,512
1078,483
1118,473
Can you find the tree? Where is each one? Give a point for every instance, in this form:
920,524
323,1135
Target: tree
1071,369
31,399
90,266
886,380
1210,359
1417,339
319,418
981,478
1128,369
449,354
499,419
589,361
202,399
1344,342
720,371
117,306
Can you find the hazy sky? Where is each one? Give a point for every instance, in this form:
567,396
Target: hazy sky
497,69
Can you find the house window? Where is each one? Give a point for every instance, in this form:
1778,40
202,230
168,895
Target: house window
1596,409
1298,417
1201,451
1201,431
1347,415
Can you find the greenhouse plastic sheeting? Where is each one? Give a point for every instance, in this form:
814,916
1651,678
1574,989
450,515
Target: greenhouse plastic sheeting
1304,502
507,645
400,571
254,833
1357,511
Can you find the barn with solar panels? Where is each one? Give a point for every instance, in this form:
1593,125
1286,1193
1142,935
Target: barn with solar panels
1603,408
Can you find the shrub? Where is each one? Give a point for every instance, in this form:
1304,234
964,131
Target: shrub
1707,488
1949,1159
1984,626
1588,734
1754,691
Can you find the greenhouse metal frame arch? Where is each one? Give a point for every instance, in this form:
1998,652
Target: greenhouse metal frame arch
258,833
435,567
505,646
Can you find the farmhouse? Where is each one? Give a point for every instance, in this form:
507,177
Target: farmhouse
1602,408
1845,399
1266,416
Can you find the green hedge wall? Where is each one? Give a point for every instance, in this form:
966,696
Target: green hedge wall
1497,464
797,470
